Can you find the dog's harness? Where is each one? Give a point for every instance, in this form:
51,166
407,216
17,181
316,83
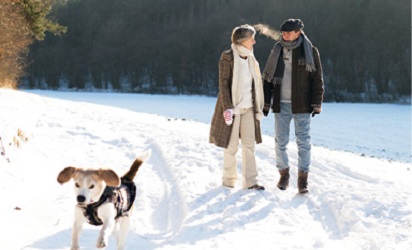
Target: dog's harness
122,197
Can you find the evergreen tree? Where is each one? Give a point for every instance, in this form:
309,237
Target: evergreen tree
173,46
21,22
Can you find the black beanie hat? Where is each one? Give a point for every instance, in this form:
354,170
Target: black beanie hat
292,25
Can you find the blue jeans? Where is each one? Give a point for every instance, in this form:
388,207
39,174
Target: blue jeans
302,129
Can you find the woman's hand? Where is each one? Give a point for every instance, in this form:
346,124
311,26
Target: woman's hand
228,116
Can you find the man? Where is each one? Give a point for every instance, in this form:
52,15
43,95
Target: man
293,88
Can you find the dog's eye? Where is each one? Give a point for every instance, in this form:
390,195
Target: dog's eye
91,186
77,185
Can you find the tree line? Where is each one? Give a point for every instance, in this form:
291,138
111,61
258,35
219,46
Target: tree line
173,46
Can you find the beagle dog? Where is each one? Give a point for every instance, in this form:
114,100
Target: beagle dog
103,198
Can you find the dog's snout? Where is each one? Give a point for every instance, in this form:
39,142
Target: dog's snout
81,198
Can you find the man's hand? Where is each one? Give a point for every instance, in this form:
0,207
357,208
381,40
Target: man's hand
317,109
266,109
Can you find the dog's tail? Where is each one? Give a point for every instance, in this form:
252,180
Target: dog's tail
135,166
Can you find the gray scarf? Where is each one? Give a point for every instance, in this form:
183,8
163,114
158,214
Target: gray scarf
268,73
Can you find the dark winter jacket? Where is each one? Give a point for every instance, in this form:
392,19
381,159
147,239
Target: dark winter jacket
307,87
219,131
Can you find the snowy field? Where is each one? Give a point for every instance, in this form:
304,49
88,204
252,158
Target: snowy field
360,181
375,130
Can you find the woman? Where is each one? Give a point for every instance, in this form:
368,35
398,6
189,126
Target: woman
238,109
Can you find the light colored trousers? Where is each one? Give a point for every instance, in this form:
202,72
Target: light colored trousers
302,132
243,128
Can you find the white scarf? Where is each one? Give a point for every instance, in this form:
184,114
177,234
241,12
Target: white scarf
239,50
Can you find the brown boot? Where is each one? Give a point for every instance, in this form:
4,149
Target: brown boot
284,179
303,182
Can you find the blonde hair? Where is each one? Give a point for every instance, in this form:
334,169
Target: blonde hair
242,33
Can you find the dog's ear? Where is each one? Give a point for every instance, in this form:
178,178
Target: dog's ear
66,174
110,177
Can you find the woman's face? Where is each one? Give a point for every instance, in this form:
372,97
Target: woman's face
249,43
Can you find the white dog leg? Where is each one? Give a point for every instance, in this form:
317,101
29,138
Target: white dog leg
106,213
116,231
77,228
107,230
124,224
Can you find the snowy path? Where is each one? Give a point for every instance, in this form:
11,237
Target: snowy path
354,202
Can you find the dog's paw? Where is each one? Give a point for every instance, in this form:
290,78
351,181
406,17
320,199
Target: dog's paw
101,243
75,248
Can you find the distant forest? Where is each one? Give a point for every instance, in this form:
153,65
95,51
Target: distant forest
173,46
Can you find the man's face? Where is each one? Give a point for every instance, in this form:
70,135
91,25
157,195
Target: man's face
290,36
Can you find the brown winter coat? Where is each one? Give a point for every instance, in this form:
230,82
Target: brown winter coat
219,131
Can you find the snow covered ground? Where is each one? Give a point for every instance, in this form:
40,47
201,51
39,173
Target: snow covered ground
376,130
360,184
